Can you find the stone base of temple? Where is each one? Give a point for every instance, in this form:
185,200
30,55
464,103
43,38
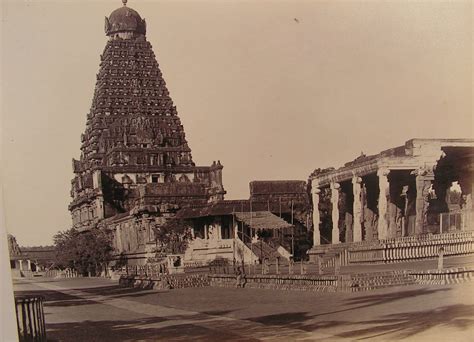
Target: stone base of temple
315,283
394,250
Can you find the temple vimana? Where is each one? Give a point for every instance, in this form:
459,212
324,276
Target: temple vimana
136,173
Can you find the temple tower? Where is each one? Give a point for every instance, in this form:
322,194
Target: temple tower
135,159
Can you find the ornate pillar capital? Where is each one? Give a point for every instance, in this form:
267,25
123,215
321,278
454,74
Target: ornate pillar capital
426,171
383,172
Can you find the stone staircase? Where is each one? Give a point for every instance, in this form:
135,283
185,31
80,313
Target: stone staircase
263,250
334,257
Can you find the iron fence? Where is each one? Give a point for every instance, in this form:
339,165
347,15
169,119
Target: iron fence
30,318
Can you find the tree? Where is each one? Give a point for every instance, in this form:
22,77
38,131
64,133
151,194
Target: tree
173,236
87,252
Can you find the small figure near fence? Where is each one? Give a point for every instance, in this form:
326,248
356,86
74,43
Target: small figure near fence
440,258
291,265
240,278
266,266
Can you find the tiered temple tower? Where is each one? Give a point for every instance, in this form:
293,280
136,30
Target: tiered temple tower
136,167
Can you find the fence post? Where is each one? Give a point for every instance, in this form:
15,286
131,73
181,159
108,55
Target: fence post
320,266
440,258
441,217
337,264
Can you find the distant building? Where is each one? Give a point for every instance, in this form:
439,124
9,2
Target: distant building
404,191
26,260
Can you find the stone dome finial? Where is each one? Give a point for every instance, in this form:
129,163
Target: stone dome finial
125,21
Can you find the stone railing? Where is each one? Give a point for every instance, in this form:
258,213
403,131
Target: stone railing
177,281
443,276
279,282
412,247
340,259
61,274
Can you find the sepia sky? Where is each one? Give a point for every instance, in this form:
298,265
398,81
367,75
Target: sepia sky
274,89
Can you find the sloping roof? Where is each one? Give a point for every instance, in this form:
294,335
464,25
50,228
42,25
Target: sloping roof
45,253
276,187
262,220
212,209
227,207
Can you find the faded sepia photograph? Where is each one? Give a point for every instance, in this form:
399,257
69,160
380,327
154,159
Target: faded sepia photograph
237,170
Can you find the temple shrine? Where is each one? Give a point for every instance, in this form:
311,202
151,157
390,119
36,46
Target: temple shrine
421,188
136,171
136,167
136,174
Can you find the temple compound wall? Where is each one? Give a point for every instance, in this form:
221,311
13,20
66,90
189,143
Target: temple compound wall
405,191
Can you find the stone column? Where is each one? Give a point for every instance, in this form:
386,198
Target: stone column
236,230
219,230
21,265
404,194
382,227
29,264
335,188
357,209
316,217
424,179
99,207
205,232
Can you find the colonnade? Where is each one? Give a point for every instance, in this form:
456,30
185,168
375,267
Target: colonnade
28,265
424,178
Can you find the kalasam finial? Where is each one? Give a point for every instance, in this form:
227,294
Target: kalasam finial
124,2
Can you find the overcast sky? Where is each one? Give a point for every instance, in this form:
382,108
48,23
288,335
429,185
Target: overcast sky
274,89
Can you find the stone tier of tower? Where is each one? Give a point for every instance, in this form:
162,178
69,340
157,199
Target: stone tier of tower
134,153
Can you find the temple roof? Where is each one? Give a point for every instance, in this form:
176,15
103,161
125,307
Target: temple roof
262,220
229,207
413,154
275,187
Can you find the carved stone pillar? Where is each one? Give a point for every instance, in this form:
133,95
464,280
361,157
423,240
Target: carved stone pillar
99,207
357,209
424,180
236,230
29,264
382,227
316,217
335,188
21,265
404,195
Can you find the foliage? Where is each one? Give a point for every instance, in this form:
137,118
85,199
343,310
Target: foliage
173,236
83,251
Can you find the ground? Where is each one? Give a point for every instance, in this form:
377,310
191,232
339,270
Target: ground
93,309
